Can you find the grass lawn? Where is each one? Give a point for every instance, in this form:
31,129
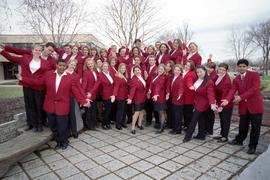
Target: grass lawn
10,92
265,83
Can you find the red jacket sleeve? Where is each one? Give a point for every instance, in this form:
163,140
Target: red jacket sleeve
255,87
159,86
14,59
77,92
17,50
116,87
132,90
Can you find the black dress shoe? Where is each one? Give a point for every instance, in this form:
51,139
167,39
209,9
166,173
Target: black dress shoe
160,131
45,124
104,127
133,132
75,135
118,127
222,140
28,128
140,127
64,146
199,138
186,140
124,125
58,146
185,128
108,126
217,137
251,150
235,142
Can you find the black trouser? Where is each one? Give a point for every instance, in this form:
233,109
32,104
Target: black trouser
256,121
177,114
121,112
91,115
209,121
35,106
106,112
225,121
129,113
59,127
72,116
200,118
113,112
27,96
149,108
188,111
168,112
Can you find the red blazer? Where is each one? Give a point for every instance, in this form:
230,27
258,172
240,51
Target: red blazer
113,71
151,75
249,91
60,53
204,96
88,82
58,103
78,84
130,69
213,75
169,78
176,90
121,59
165,58
222,89
120,89
196,58
177,55
24,61
158,87
52,61
105,85
189,80
137,92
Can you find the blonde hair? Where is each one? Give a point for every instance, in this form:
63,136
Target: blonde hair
180,67
119,74
162,66
89,60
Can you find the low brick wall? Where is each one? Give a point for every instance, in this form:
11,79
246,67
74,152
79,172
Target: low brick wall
9,129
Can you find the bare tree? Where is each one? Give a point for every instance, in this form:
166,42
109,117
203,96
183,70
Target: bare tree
184,33
123,21
5,12
54,17
241,44
260,36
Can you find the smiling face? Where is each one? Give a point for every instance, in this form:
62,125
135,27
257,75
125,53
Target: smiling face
163,48
177,71
105,67
187,66
90,64
242,68
48,50
61,67
137,71
221,71
37,51
67,49
122,69
75,50
192,47
161,70
72,65
200,73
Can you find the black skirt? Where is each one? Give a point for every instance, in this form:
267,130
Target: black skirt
138,107
160,106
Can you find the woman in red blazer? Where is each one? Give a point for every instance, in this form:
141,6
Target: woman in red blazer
105,84
123,56
176,93
113,66
190,77
120,93
85,53
164,55
103,55
192,54
137,97
176,51
94,54
90,77
32,67
76,55
222,87
204,97
157,91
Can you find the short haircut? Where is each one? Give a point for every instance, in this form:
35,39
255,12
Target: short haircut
224,65
137,40
61,61
242,61
50,44
67,45
152,56
211,65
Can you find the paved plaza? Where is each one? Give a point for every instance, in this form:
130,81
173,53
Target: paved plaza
113,154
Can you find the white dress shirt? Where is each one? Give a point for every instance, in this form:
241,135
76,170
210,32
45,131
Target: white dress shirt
197,84
58,80
109,77
34,65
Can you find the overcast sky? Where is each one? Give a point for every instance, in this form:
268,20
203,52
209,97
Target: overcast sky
210,20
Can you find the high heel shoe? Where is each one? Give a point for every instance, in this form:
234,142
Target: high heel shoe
133,132
140,127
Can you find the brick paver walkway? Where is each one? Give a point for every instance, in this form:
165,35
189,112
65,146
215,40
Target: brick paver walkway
114,154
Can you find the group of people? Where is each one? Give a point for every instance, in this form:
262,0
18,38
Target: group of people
165,83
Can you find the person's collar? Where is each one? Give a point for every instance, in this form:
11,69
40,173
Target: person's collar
63,74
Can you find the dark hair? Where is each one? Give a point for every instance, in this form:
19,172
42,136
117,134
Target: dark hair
242,61
137,40
139,51
136,66
67,45
119,50
50,44
211,65
206,76
167,51
61,61
192,65
224,65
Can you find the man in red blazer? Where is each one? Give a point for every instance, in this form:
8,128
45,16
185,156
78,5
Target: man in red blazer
59,88
247,84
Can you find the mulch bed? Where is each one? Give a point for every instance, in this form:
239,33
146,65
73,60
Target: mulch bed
10,107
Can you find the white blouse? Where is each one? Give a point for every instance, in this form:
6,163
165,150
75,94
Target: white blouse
197,84
34,65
